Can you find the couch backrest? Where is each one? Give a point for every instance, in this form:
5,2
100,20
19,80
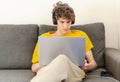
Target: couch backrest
17,43
96,33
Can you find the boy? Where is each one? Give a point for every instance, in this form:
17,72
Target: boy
61,68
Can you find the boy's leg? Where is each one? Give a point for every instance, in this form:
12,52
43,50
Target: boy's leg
61,68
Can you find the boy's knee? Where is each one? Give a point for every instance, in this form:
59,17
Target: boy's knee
62,56
60,59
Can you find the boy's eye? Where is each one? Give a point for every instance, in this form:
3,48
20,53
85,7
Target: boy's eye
68,21
62,22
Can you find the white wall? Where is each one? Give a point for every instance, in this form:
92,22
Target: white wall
87,11
118,14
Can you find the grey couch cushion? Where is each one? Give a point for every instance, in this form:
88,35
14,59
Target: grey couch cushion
95,76
16,75
17,43
100,79
96,33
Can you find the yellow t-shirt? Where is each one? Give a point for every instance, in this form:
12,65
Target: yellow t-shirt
89,45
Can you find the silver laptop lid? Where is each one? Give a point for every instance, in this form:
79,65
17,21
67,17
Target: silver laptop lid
51,46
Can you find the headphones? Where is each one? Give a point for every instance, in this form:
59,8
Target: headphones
55,20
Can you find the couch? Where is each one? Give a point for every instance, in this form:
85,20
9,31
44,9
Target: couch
17,43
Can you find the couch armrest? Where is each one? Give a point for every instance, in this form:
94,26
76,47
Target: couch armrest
112,61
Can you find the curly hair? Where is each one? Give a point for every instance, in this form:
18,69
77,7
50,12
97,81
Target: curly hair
63,10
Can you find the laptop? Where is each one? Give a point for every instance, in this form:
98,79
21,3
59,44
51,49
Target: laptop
52,46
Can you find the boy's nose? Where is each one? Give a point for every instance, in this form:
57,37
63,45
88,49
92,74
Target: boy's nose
65,25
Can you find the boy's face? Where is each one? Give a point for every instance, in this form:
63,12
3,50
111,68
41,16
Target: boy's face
63,25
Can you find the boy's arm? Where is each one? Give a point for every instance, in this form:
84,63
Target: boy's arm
90,62
35,67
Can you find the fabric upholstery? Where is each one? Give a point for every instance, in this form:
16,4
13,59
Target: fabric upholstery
17,43
95,76
112,61
16,75
100,79
96,33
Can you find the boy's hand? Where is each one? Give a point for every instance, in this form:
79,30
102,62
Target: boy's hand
85,67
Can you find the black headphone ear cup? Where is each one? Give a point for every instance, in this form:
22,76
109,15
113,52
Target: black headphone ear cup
54,19
73,22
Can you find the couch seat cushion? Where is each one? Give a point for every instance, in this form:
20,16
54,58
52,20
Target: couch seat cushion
95,76
100,79
16,75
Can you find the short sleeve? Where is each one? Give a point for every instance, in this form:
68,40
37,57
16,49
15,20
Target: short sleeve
89,44
35,54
